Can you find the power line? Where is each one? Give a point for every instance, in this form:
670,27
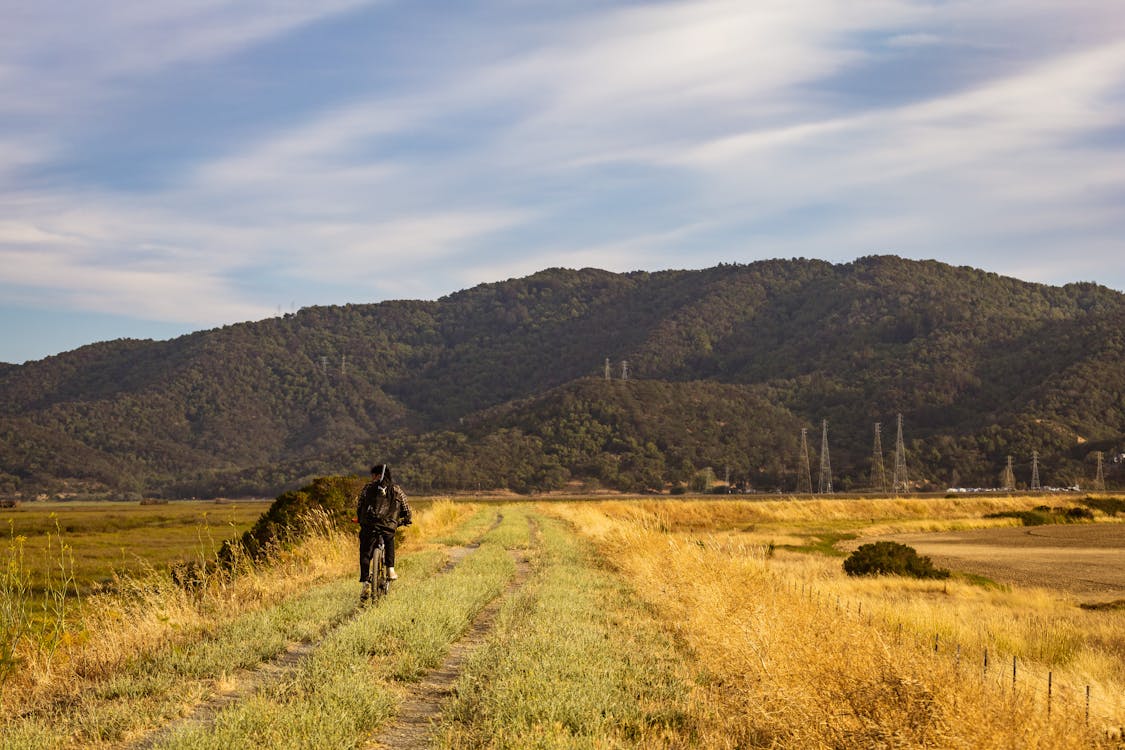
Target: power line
824,484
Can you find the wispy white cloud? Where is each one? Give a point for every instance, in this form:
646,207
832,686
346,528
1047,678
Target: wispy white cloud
58,54
637,136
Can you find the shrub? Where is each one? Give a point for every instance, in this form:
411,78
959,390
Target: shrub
1027,517
1044,515
891,558
281,524
1111,506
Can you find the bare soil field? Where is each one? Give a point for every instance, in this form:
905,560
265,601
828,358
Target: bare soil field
1086,560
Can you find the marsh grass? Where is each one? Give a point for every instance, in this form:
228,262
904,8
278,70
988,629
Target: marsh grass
790,652
574,661
109,540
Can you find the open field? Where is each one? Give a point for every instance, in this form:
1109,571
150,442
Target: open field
91,542
600,623
1086,560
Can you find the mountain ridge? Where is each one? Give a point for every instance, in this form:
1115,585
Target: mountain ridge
970,357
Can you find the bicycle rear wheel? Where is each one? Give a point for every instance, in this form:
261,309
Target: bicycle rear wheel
379,580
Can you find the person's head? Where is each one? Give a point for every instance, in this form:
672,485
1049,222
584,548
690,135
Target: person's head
381,473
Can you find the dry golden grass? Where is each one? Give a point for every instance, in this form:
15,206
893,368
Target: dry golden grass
792,653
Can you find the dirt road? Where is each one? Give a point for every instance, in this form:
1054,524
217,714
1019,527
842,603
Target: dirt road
1087,560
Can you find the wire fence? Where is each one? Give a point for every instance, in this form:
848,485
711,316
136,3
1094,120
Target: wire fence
1021,680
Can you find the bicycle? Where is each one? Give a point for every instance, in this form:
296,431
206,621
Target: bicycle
378,578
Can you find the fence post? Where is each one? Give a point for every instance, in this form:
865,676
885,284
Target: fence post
1087,705
1013,674
1050,676
985,662
936,642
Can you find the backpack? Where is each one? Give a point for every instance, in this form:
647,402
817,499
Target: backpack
379,506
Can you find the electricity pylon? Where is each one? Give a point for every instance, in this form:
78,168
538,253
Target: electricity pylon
824,485
804,473
1035,471
1008,478
878,472
900,481
1099,477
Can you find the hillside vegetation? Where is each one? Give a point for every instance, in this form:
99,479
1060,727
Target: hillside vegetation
501,386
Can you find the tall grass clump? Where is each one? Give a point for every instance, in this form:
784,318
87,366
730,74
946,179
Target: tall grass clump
15,616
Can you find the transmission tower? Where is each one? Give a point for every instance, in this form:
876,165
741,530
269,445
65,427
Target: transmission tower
324,365
607,372
899,481
804,473
1099,477
1035,471
824,485
878,472
625,369
1008,479
343,364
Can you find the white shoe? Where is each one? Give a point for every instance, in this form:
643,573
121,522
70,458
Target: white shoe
391,574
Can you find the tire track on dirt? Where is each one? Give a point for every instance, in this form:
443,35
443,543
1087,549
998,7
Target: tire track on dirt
413,726
250,681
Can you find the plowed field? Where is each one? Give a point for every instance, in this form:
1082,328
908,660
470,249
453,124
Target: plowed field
1087,560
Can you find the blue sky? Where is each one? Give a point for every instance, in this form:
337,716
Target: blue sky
172,166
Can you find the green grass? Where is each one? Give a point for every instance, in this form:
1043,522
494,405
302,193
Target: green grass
575,661
107,538
984,582
514,529
472,529
821,544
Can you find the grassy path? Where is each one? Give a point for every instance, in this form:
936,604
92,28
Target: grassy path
414,722
355,680
575,660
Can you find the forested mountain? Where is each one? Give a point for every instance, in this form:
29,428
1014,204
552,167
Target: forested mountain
502,385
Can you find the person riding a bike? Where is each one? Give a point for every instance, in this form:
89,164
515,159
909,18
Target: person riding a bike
380,509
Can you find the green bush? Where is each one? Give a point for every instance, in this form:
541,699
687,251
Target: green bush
1043,514
891,558
1111,506
282,523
